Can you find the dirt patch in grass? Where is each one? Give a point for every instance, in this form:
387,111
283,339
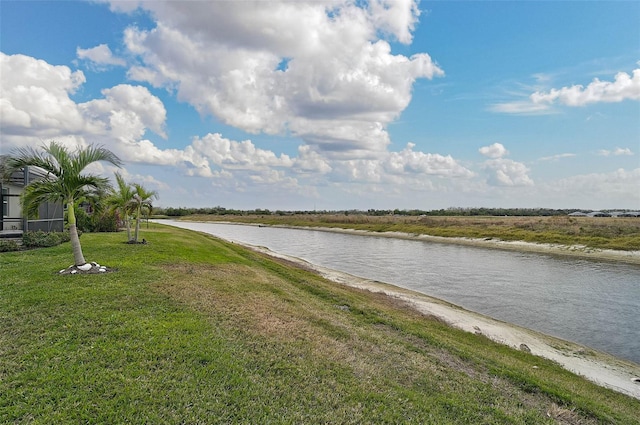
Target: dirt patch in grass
248,298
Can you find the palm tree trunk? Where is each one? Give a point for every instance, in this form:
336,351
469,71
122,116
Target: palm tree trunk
137,224
128,225
78,258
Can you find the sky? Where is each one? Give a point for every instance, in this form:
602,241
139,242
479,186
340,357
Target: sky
337,104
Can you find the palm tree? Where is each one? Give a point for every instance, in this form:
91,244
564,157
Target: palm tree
142,200
64,180
120,201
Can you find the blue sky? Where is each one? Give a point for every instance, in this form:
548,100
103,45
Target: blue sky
336,104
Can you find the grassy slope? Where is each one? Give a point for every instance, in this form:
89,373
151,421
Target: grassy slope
593,232
193,330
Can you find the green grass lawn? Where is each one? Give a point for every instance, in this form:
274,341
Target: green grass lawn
189,329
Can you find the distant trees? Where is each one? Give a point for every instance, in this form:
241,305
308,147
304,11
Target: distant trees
183,211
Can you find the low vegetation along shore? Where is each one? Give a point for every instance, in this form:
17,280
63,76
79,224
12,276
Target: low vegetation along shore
191,329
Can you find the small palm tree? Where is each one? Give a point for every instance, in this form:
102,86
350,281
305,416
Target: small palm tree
64,181
120,201
142,201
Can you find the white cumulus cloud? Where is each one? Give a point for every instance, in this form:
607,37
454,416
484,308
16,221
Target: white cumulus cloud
502,171
412,162
127,112
506,172
35,97
615,152
319,70
623,87
496,150
100,55
237,155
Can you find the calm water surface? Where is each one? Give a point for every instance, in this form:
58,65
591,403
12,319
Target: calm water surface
593,303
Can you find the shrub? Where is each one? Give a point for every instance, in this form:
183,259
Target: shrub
83,220
6,246
105,223
43,239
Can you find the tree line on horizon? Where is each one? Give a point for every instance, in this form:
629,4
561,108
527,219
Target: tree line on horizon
452,211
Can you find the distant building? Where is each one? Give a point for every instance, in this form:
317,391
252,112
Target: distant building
629,214
599,214
578,214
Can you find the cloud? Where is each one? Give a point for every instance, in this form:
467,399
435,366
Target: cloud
36,106
615,152
396,17
506,172
521,107
310,161
321,71
126,112
557,157
123,116
145,180
409,161
100,55
35,97
496,150
605,188
623,87
502,171
237,155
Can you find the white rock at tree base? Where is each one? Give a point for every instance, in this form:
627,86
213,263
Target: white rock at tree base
85,267
74,271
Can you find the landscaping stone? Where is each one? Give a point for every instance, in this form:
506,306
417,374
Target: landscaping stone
88,268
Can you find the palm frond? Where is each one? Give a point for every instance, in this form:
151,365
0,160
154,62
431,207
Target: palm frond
39,192
120,198
84,157
30,157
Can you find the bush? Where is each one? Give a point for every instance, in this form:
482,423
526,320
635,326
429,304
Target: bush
83,220
43,239
6,246
105,223
97,222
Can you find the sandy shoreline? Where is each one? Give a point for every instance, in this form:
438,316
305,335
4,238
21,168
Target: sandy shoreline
601,368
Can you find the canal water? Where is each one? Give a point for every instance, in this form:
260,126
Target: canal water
593,303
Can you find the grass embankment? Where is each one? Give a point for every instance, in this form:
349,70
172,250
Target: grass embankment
190,329
594,232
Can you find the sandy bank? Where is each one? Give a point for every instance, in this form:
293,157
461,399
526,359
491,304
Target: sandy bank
601,368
